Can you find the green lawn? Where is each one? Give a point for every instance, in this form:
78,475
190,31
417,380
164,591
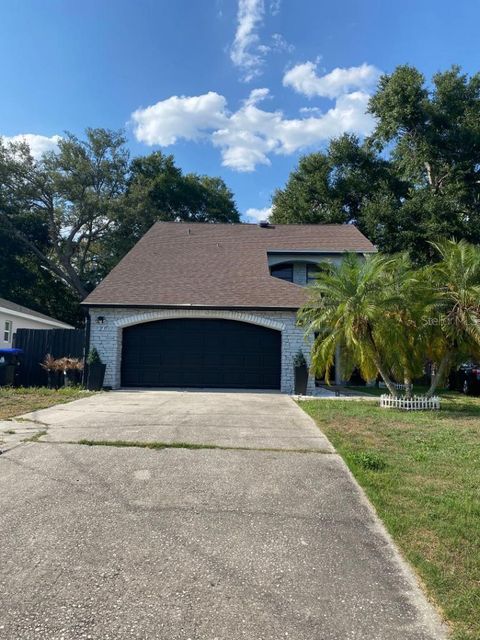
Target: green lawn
422,473
15,401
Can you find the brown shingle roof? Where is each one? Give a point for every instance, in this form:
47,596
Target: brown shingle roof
217,265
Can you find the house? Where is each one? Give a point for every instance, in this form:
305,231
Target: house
13,316
212,305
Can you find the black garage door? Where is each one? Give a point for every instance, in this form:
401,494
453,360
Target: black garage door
201,353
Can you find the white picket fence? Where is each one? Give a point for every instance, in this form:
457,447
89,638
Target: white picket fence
397,385
415,403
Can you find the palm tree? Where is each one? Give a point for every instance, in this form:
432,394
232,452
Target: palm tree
348,308
407,338
453,323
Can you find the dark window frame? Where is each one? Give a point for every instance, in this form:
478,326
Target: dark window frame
283,266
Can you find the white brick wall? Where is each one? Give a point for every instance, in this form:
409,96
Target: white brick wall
107,337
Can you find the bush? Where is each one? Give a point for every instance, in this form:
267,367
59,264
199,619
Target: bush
93,357
299,360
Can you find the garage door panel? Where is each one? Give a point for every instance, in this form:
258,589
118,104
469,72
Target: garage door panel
201,353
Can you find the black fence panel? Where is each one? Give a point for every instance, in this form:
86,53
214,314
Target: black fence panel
37,343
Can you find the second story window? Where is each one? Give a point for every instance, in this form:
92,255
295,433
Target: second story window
312,272
282,271
7,331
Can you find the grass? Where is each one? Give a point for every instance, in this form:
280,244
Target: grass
145,445
15,401
36,437
186,445
421,471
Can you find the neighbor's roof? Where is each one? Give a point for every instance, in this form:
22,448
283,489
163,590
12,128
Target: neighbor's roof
217,265
14,308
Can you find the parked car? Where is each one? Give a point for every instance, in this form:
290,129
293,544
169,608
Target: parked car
466,378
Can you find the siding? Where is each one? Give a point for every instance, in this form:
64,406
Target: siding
22,323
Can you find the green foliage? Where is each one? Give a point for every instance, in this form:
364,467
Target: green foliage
435,136
348,308
299,360
414,181
71,195
334,187
388,318
93,357
369,460
452,318
68,218
157,190
24,280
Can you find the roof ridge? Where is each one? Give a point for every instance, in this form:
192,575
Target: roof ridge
253,224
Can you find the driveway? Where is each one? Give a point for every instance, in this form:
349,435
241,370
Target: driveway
266,538
257,420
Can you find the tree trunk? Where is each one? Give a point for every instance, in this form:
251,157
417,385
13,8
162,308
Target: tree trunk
439,375
407,381
67,273
385,377
377,361
72,277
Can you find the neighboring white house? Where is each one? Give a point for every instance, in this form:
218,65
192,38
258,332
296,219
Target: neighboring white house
13,316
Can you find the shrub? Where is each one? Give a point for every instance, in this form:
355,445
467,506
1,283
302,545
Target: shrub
299,360
94,357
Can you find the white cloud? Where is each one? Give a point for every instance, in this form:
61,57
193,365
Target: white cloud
249,136
179,117
275,7
257,215
347,116
256,95
245,52
303,79
248,52
310,110
280,44
38,144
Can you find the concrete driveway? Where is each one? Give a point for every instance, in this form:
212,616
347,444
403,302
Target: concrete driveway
257,420
265,539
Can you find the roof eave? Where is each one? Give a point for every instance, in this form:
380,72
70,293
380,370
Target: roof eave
129,305
322,251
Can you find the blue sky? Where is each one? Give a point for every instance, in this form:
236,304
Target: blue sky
236,88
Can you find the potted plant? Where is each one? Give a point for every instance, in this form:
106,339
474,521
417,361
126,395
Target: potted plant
301,374
95,371
53,369
72,368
